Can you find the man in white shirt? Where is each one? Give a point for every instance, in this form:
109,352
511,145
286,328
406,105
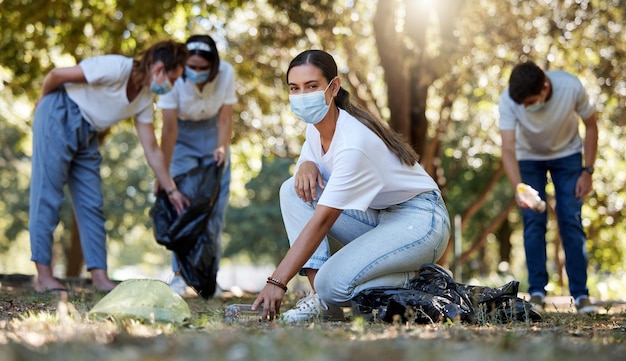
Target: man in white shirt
539,118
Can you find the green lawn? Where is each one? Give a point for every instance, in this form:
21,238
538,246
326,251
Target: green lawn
38,326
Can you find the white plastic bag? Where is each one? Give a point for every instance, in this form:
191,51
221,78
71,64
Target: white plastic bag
529,195
145,300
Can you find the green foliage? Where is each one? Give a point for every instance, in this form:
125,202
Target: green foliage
260,38
14,175
257,229
36,33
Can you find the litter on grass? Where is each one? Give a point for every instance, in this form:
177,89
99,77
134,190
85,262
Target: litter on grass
145,300
433,296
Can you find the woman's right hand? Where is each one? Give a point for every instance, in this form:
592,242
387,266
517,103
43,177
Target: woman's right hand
306,181
270,299
178,200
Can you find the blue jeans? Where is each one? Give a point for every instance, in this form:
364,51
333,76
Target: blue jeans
194,147
65,151
381,248
564,173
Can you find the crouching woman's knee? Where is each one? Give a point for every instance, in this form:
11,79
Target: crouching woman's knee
287,190
331,289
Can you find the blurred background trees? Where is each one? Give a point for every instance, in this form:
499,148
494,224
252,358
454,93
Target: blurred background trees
433,69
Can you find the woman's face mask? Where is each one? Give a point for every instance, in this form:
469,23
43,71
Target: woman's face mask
311,108
162,87
196,77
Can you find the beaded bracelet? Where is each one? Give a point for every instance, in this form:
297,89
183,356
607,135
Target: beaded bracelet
276,282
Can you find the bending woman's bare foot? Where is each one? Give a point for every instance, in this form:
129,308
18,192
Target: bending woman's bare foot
45,281
44,284
101,280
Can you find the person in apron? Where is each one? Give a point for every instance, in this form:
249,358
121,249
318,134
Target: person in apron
197,126
75,104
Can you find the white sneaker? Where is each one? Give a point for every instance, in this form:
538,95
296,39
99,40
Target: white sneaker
584,305
538,300
178,285
311,308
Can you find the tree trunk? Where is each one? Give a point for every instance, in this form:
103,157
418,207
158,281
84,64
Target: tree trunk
74,257
390,51
411,67
504,239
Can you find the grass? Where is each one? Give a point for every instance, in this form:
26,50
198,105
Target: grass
39,326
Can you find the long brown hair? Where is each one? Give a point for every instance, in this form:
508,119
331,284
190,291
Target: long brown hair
392,139
173,55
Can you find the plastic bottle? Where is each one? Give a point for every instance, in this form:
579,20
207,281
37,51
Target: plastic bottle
531,197
238,313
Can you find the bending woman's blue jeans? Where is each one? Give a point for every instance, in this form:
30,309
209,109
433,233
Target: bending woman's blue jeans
65,151
382,248
564,173
194,147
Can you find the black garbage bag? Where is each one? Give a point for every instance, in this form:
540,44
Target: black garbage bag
435,280
373,302
501,304
433,296
186,234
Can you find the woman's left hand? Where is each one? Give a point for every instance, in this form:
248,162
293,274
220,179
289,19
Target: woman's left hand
306,181
270,299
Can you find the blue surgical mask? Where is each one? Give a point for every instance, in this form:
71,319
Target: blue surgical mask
196,77
160,89
535,107
311,108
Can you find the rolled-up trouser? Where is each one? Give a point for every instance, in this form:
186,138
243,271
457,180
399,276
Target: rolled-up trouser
65,151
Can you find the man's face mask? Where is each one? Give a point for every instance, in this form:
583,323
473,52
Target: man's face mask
538,105
311,108
535,107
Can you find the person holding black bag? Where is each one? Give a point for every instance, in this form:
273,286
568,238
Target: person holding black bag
197,126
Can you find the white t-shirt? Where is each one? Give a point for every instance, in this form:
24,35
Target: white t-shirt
195,105
359,170
103,100
551,132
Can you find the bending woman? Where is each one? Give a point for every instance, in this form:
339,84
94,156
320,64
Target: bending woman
75,104
358,182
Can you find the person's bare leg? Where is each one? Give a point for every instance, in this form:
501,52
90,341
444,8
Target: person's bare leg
101,280
45,280
310,274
